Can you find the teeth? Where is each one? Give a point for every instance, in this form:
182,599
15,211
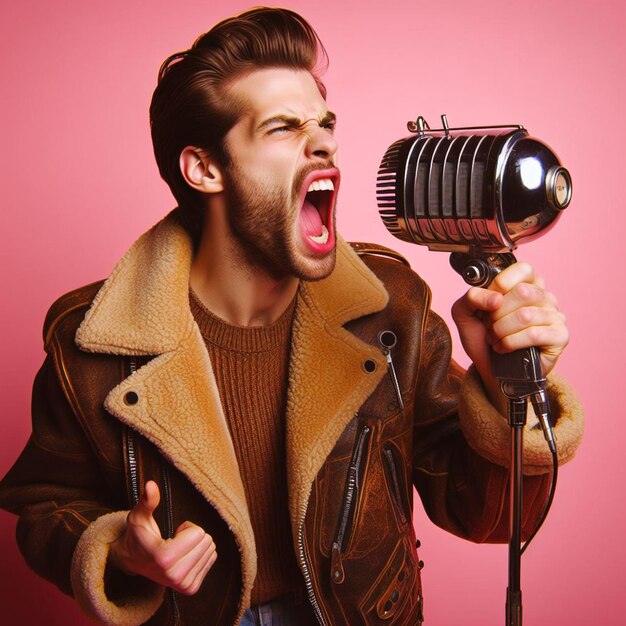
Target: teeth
323,238
322,184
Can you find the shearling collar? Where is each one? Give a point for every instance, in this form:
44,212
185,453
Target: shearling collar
143,309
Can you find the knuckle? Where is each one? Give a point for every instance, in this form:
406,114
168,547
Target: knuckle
191,584
535,335
525,315
193,589
550,299
176,579
566,338
523,291
505,344
456,309
163,559
197,534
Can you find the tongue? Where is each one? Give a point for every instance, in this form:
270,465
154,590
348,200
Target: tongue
310,220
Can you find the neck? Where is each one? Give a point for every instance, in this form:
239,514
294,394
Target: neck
229,285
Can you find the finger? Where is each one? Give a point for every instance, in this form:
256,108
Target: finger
174,550
475,300
524,295
205,570
183,571
555,338
189,537
522,318
183,526
519,272
196,575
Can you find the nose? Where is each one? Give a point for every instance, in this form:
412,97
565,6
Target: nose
321,143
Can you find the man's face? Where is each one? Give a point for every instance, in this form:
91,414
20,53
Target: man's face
281,182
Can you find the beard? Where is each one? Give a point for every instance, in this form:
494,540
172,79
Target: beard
264,219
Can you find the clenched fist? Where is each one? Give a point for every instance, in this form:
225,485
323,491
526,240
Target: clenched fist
515,312
181,562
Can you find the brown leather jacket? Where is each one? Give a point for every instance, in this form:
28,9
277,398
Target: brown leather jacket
353,452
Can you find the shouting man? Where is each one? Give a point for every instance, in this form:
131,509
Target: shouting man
215,436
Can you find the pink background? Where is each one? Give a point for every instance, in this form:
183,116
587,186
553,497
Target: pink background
80,185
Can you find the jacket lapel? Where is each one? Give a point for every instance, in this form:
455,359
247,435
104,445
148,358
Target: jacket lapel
328,380
143,309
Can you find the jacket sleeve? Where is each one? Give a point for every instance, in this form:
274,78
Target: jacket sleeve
66,510
462,446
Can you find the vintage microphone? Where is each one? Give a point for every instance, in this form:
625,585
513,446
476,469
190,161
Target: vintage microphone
477,192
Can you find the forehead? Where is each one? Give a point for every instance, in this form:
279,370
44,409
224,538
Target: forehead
274,91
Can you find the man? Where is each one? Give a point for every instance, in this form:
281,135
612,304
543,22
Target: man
225,391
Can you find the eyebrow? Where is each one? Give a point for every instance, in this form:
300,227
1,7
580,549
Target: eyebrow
290,120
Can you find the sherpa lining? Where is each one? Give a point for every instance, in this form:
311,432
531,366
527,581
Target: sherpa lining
489,434
88,567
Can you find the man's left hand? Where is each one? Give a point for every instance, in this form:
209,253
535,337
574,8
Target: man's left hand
515,312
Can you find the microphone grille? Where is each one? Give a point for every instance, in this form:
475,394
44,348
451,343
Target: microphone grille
389,190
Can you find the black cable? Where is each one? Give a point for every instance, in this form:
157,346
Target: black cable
546,508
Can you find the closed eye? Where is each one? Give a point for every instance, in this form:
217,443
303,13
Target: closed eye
279,130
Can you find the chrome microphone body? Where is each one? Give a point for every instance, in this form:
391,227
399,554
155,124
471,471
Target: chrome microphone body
470,189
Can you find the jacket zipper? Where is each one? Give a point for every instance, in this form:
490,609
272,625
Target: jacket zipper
169,529
393,480
353,486
131,451
131,455
387,340
304,566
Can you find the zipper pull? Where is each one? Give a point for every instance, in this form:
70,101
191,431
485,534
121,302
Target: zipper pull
387,340
336,566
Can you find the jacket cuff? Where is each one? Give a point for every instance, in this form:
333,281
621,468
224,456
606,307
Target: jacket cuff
489,434
89,564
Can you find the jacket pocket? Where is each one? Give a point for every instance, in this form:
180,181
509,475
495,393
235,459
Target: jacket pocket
352,490
393,482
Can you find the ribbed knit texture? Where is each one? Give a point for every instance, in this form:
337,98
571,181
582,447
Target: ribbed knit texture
251,368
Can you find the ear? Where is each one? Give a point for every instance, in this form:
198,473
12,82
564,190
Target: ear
200,170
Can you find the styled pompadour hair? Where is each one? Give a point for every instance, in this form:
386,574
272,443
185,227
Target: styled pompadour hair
190,105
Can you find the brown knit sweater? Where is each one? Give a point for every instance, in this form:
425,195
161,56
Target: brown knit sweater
251,369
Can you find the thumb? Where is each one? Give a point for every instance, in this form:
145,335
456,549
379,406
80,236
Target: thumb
148,502
476,300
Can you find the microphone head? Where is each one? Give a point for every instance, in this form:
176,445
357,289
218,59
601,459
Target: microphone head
470,189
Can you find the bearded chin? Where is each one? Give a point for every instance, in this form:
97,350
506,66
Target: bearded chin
258,225
261,220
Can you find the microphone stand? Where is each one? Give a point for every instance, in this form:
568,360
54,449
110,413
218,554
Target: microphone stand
520,378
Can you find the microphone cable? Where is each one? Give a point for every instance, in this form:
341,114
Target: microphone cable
542,410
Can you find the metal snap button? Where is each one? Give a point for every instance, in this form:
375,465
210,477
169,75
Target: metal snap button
131,397
369,366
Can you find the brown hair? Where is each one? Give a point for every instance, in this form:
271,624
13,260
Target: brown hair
190,106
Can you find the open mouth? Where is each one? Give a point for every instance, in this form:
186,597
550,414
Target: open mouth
316,215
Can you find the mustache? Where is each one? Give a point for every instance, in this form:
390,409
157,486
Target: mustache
306,170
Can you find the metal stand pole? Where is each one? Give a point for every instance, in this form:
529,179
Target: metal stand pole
517,420
520,377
